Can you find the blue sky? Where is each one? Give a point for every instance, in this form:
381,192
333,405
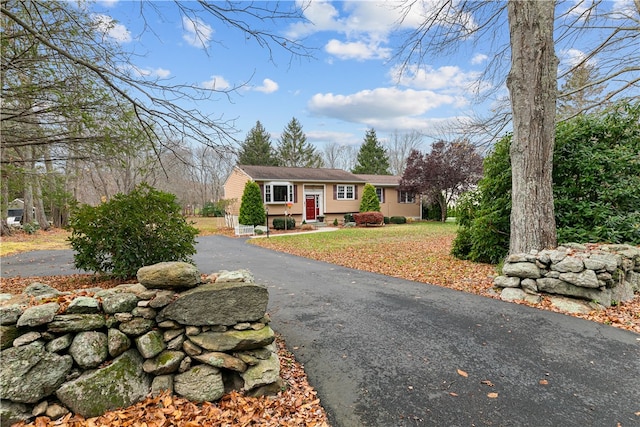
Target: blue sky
351,84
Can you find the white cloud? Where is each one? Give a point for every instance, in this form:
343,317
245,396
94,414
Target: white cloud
448,78
159,73
108,26
216,83
108,3
369,106
356,50
479,58
198,34
268,86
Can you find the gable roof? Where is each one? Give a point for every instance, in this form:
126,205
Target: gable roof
273,173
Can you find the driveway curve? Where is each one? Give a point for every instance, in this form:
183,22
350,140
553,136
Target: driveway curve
383,351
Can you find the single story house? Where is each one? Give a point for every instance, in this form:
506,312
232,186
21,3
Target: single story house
317,194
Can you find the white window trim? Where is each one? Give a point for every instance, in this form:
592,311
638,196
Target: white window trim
380,194
268,192
407,195
345,192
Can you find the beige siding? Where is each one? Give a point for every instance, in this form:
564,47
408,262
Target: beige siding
233,189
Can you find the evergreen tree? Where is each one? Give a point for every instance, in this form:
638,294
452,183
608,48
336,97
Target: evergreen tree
370,201
294,150
580,92
372,157
251,208
257,149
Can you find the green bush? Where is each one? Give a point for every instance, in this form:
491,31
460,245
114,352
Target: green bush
596,176
216,209
386,220
131,231
369,201
278,223
398,220
335,222
251,208
348,218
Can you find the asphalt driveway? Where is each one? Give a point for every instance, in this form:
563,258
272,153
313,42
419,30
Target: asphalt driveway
383,351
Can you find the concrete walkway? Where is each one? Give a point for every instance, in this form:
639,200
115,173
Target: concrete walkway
385,352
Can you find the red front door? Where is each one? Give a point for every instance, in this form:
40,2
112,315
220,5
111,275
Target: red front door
310,201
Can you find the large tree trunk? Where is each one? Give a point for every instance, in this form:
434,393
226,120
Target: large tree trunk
532,84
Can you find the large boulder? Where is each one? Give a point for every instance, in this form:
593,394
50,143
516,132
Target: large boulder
118,385
30,373
234,340
201,383
89,349
225,303
169,275
265,372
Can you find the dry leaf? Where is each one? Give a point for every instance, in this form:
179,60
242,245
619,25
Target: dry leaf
492,395
487,382
543,382
453,394
462,373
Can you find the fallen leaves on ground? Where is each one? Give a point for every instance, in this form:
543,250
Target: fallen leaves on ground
296,406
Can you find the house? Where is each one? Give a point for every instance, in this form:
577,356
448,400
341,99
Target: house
317,194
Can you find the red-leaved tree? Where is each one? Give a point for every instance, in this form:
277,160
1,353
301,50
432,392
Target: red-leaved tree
450,169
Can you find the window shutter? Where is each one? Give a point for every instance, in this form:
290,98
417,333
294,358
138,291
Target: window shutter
384,197
355,191
399,192
335,192
295,193
262,190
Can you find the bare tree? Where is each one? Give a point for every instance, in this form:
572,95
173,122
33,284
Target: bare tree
399,146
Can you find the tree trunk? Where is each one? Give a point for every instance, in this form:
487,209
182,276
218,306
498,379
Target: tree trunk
532,84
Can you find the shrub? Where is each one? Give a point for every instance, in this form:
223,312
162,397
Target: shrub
131,231
386,220
398,220
278,223
307,227
370,201
348,218
366,218
251,208
216,209
335,222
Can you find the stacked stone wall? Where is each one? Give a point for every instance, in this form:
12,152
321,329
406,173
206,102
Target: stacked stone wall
600,274
96,350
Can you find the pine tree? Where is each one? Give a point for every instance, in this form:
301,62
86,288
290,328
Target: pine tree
293,149
257,149
370,201
580,92
372,157
251,208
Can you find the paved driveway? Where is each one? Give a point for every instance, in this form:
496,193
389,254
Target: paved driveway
390,352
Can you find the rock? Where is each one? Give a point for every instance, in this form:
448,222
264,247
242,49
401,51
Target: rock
12,413
265,372
516,294
234,302
38,315
557,255
268,390
40,408
119,303
190,348
221,360
118,385
7,335
59,343
30,373
622,292
89,349
117,342
83,305
225,276
176,343
171,334
506,282
633,278
529,286
55,411
136,326
610,262
150,344
9,314
557,286
234,340
527,270
166,362
162,299
571,305
569,264
169,275
586,279
185,365
27,338
144,312
201,383
162,383
63,323
41,290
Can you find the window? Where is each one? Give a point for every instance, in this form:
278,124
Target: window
345,192
380,194
278,192
406,197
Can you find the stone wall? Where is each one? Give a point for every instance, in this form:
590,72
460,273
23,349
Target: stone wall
95,350
601,274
